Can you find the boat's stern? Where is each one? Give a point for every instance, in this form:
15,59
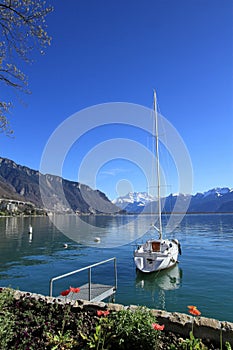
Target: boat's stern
147,262
139,262
155,255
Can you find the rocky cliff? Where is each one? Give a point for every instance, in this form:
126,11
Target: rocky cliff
49,191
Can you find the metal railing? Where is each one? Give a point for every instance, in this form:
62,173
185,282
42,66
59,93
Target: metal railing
89,275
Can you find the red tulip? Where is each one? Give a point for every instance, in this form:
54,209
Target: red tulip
65,292
158,327
103,313
74,290
194,311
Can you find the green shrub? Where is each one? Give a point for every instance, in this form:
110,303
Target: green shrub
7,319
125,329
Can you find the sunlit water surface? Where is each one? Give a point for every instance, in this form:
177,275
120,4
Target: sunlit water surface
203,277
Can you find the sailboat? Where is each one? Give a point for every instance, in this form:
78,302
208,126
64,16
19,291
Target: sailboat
158,253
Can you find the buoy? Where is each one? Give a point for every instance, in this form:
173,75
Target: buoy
65,245
97,239
30,237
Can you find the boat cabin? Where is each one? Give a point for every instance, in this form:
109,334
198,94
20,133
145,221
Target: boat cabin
155,246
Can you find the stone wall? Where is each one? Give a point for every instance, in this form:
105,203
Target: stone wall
178,323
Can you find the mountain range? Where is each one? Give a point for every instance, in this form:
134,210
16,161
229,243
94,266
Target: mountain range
24,184
60,195
216,200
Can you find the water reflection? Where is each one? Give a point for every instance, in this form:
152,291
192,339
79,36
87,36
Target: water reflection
112,231
30,237
18,241
157,283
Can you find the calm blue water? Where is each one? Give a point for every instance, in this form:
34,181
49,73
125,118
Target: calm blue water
204,276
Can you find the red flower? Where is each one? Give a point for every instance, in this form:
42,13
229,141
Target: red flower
158,327
65,292
103,313
74,290
194,311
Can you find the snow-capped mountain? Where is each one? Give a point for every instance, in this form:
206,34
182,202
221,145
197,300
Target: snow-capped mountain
134,202
217,191
132,197
212,201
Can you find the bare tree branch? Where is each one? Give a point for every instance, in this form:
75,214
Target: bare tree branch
22,28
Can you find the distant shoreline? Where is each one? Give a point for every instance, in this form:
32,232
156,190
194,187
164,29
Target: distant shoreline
113,215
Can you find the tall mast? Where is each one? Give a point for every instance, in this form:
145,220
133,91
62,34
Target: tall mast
157,164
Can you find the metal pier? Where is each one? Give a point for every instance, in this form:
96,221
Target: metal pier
89,291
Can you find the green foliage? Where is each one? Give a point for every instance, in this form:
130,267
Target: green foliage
29,323
193,343
124,329
100,338
228,345
7,319
133,329
60,340
35,324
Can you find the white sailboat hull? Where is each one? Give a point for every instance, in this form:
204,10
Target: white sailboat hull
155,255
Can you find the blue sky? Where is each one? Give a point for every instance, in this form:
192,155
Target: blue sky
119,51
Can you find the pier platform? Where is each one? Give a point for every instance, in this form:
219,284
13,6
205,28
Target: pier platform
89,291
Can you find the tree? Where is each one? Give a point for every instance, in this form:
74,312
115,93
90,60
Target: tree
22,28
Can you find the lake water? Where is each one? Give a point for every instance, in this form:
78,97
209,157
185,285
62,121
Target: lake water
203,277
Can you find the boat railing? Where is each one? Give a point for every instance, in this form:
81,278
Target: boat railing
89,268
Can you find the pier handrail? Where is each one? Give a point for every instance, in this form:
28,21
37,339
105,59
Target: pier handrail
89,275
